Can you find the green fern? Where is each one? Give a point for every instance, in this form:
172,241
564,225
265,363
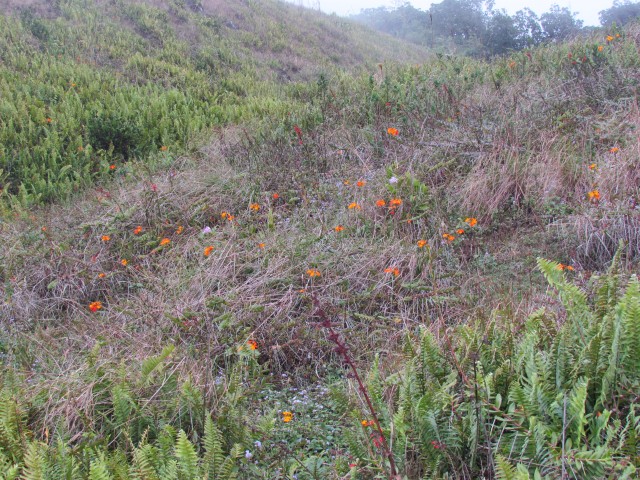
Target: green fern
187,457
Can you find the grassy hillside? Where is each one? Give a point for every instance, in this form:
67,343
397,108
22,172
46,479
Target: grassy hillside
195,311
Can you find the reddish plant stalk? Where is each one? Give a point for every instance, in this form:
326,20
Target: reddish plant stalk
343,351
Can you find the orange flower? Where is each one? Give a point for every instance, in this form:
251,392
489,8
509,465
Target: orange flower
102,275
367,423
361,183
471,221
106,238
338,228
208,250
276,196
255,207
302,290
594,195
287,417
593,166
313,272
392,131
112,167
609,38
124,262
231,218
394,270
179,230
164,148
253,345
354,206
614,150
600,48
137,230
562,266
395,202
421,243
48,120
460,231
164,241
261,245
80,148
95,306
448,237
380,203
347,182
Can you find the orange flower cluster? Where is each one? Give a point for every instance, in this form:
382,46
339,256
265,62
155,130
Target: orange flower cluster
95,306
253,345
448,237
261,245
393,270
354,206
208,250
471,221
164,241
105,238
594,195
338,228
367,423
421,243
361,183
179,230
287,417
137,230
313,272
562,266
254,207
392,131
381,203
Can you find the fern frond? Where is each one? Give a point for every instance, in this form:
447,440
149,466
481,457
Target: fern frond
187,457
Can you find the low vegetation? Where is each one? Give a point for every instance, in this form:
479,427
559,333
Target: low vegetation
421,269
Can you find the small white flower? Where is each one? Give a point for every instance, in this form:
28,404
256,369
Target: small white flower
248,454
393,180
206,230
258,444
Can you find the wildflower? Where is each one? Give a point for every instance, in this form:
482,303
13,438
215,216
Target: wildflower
354,206
179,230
361,183
48,120
393,270
231,218
261,245
112,167
206,230
164,241
617,35
512,64
248,454
347,182
253,345
287,417
164,148
593,166
80,148
224,215
609,38
448,237
302,290
614,150
258,444
313,272
460,231
562,266
154,187
600,48
137,230
392,131
393,180
95,306
421,243
594,195
102,275
276,196
208,250
471,221
338,228
255,207
380,203
105,238
124,262
395,202
366,423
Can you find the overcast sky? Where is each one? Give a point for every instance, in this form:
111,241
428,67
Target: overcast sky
587,9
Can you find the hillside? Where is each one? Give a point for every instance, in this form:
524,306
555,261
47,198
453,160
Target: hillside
455,239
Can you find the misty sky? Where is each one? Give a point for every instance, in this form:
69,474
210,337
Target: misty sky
587,9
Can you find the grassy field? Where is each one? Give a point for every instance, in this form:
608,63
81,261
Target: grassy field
247,240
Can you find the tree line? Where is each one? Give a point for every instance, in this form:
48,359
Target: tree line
476,28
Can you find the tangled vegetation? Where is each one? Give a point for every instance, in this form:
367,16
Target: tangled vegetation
194,250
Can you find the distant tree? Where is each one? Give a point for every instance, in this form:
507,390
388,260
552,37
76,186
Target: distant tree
621,12
404,22
501,33
529,29
559,23
459,19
